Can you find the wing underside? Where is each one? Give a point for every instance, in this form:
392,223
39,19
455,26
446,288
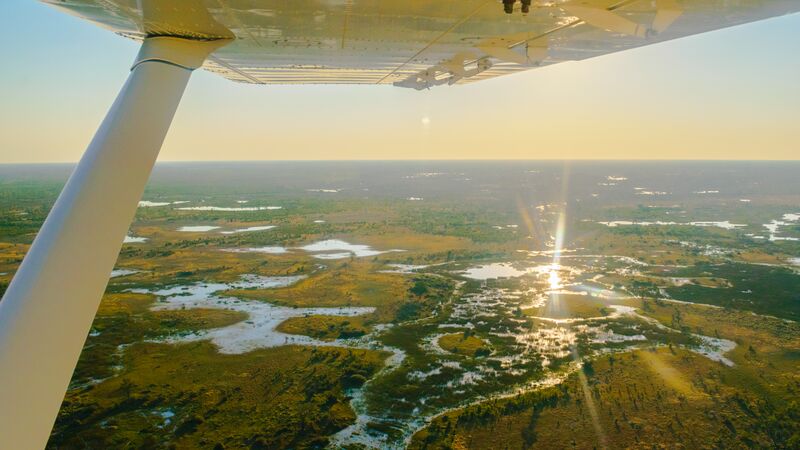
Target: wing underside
413,43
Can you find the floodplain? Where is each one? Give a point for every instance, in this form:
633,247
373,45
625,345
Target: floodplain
437,305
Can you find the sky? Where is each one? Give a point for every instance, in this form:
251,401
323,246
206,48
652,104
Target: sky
729,94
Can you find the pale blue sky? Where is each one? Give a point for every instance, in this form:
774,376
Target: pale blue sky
730,94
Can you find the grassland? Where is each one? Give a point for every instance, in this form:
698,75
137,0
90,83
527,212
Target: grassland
762,289
664,395
190,396
670,397
349,283
326,328
126,318
679,245
464,344
767,351
565,306
461,341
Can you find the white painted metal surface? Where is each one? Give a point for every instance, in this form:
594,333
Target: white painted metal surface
414,43
48,309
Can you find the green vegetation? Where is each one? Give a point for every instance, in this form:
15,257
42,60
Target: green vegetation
349,283
125,318
762,289
673,397
464,344
190,396
326,328
563,306
444,360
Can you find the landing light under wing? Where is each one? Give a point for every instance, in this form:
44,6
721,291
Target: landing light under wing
413,43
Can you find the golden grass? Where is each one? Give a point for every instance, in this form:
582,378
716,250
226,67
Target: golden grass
661,368
284,397
565,306
648,248
463,345
349,283
124,303
672,398
767,348
11,256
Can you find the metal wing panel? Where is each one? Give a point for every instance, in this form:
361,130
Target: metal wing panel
413,43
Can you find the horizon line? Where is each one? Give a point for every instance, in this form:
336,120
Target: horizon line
212,161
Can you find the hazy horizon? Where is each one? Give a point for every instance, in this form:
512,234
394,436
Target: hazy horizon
432,160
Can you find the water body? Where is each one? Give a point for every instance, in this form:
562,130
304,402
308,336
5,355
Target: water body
336,255
122,272
259,329
726,225
338,249
509,270
494,271
271,250
249,229
774,227
149,204
229,209
328,249
404,268
198,228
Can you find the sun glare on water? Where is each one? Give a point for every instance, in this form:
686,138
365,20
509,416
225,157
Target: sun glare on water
554,278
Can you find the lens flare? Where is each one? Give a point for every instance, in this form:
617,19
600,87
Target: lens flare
587,396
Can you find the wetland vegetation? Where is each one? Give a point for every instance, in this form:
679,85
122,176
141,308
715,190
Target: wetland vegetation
510,305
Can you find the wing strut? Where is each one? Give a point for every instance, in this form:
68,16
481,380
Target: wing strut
48,309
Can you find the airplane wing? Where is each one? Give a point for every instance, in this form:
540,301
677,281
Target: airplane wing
413,43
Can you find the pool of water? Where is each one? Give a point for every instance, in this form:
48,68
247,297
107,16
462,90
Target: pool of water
259,329
198,228
249,229
725,224
338,249
271,250
228,209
